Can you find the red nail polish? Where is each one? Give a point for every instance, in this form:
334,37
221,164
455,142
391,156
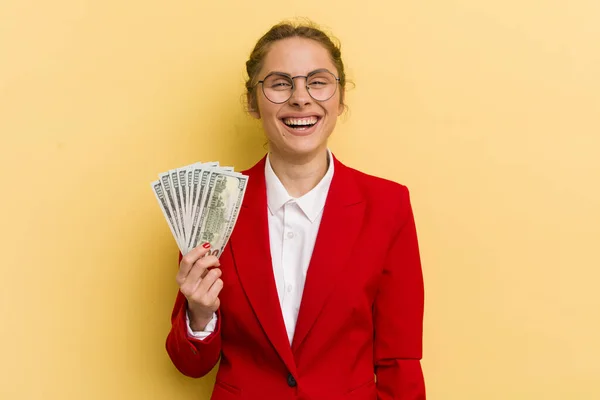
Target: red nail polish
206,245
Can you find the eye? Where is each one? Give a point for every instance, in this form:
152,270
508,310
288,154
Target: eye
320,80
277,82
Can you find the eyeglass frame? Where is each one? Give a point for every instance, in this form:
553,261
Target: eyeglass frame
291,78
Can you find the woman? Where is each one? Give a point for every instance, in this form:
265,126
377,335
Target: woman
319,293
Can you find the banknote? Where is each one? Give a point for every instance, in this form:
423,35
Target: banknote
195,219
165,181
201,203
241,191
176,189
220,209
159,192
182,175
189,174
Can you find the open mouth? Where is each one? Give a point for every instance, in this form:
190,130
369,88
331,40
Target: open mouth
301,124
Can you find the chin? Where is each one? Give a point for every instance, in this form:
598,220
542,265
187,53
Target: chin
305,149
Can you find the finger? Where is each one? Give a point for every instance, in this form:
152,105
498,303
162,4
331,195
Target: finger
197,273
215,289
210,298
188,261
208,281
204,273
210,262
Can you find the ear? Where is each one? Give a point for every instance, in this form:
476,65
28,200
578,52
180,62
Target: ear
253,106
342,105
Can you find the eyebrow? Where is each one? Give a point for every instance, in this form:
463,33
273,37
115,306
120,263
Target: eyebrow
290,76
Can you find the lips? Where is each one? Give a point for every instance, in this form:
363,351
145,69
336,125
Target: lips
300,122
301,125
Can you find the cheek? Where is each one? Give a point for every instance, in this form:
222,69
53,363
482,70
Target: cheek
334,108
335,105
269,120
267,110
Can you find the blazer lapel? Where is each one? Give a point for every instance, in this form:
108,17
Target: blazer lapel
252,258
338,232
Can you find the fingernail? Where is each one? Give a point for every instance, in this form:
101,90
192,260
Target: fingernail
206,245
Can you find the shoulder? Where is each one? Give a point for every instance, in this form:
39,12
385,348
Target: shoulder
387,203
379,190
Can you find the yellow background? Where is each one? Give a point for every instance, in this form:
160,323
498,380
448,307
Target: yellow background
488,110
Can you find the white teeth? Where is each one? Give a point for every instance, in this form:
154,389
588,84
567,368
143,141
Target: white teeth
300,121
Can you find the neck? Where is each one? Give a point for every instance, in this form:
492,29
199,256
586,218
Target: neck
300,175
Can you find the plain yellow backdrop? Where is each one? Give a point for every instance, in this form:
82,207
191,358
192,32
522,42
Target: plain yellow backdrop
488,110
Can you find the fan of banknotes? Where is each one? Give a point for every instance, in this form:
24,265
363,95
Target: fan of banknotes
201,203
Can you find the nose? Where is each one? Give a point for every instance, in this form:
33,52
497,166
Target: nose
300,96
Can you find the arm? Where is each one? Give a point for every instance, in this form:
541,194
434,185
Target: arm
192,357
398,315
203,334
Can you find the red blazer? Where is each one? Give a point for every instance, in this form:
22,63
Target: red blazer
361,313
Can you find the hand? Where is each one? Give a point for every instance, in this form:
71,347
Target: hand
199,281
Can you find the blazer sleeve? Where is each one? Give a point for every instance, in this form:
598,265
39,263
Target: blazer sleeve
192,357
398,315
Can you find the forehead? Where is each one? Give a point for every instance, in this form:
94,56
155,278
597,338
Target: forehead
297,56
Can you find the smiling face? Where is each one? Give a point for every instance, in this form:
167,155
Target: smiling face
301,125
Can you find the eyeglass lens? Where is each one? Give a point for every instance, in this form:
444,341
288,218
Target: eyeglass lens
278,87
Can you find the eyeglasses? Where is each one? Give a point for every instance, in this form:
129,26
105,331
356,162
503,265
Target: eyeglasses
278,87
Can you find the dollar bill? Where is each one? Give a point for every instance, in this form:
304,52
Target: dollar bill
241,191
183,190
166,184
205,174
176,196
159,192
189,175
220,209
195,190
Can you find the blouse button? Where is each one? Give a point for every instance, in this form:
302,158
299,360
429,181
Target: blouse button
290,235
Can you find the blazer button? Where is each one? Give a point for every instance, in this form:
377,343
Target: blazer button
291,381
